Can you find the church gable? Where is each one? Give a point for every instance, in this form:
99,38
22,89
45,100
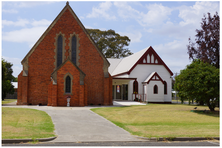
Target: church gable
68,26
69,66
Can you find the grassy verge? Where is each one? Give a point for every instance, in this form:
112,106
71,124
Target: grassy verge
21,123
5,101
162,120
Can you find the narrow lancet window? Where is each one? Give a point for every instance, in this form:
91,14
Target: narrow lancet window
68,84
59,50
74,49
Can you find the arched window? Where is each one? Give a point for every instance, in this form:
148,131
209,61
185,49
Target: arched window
59,50
155,89
74,49
165,87
68,85
135,87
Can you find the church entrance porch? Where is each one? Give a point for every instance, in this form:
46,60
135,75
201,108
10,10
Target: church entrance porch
121,88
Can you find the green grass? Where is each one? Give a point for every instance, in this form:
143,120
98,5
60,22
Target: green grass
5,101
21,123
162,120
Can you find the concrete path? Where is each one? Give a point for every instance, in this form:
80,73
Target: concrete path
127,103
80,124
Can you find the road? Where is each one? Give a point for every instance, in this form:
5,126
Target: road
141,143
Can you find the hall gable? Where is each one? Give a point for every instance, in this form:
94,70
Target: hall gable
150,57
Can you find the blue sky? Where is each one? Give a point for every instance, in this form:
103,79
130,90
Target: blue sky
166,26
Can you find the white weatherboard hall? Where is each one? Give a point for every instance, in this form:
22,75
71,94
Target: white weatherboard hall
141,76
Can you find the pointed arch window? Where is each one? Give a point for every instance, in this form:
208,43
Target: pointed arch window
155,89
68,84
59,50
135,87
165,87
74,45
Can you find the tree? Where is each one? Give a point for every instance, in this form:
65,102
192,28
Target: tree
110,43
207,42
200,82
15,79
7,77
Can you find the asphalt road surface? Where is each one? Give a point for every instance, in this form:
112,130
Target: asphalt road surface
145,143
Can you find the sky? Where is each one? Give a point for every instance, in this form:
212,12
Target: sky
164,25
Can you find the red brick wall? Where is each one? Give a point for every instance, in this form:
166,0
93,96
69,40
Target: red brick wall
41,66
49,94
22,96
54,95
68,67
110,90
19,94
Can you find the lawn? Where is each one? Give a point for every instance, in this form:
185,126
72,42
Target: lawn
20,123
164,120
5,101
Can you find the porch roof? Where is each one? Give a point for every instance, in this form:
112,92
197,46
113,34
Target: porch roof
124,78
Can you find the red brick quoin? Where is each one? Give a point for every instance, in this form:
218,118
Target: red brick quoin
41,82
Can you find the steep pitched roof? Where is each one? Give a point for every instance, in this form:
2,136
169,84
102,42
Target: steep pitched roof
153,76
51,26
54,73
127,64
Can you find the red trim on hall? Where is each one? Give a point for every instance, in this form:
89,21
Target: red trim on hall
159,78
150,51
126,78
120,74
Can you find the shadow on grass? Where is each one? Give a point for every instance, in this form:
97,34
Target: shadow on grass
207,112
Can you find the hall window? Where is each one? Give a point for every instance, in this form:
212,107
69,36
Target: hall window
59,50
135,87
165,87
68,85
74,49
155,89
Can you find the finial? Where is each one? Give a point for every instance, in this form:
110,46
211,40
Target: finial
67,3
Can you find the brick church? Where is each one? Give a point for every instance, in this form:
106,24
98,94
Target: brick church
64,62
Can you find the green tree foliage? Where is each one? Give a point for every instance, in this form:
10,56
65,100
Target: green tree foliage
200,82
7,77
15,79
110,43
207,42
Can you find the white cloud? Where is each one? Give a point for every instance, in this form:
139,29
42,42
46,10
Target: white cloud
25,22
26,35
125,11
20,22
193,14
134,36
101,11
9,11
42,22
14,61
27,4
157,14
